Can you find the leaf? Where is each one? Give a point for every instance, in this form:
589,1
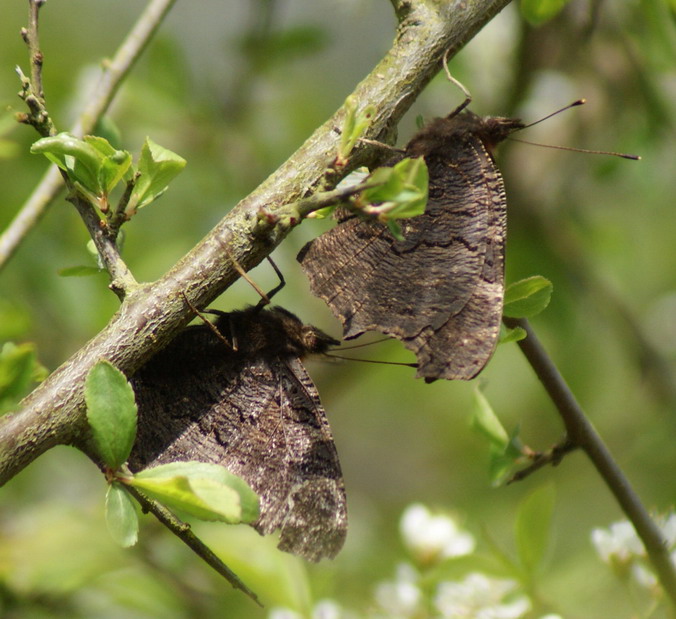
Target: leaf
511,335
113,169
157,166
401,191
111,412
485,422
533,527
17,365
79,159
527,297
121,516
537,12
354,125
206,491
113,165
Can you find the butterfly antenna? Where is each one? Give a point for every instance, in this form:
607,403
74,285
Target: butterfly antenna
581,150
407,365
563,109
352,347
468,97
571,148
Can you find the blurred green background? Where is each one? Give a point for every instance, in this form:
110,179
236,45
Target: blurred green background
235,88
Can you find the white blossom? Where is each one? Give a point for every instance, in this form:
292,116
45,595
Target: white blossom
617,544
481,597
432,537
401,597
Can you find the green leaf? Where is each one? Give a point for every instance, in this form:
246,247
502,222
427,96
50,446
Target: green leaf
79,159
113,169
17,367
354,125
401,191
512,335
486,423
527,297
121,516
533,527
503,460
206,491
537,12
111,412
157,167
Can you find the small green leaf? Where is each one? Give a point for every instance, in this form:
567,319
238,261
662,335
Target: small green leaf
533,527
485,421
354,125
527,297
17,365
206,491
121,516
111,412
78,158
113,169
503,460
157,166
511,335
401,191
537,12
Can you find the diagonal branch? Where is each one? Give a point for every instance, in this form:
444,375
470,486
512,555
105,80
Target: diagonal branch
582,433
153,313
114,73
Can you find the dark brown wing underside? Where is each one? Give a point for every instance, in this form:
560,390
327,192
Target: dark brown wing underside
440,290
261,419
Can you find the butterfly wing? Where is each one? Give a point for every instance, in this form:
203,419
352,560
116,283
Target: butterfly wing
198,401
439,290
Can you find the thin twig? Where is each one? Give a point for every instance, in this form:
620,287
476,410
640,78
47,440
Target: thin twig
183,531
582,432
122,280
541,459
114,73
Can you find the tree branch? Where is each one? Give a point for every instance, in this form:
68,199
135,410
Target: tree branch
113,75
582,433
153,313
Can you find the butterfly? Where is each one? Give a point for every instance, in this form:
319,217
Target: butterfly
248,404
440,290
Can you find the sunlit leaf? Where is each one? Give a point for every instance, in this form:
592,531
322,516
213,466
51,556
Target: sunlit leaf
157,166
527,297
121,516
485,421
206,491
111,412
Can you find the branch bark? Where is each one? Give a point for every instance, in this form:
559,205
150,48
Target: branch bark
152,313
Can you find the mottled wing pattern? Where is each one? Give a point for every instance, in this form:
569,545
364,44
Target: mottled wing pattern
440,290
259,417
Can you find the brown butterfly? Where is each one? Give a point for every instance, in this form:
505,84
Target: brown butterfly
248,404
440,290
